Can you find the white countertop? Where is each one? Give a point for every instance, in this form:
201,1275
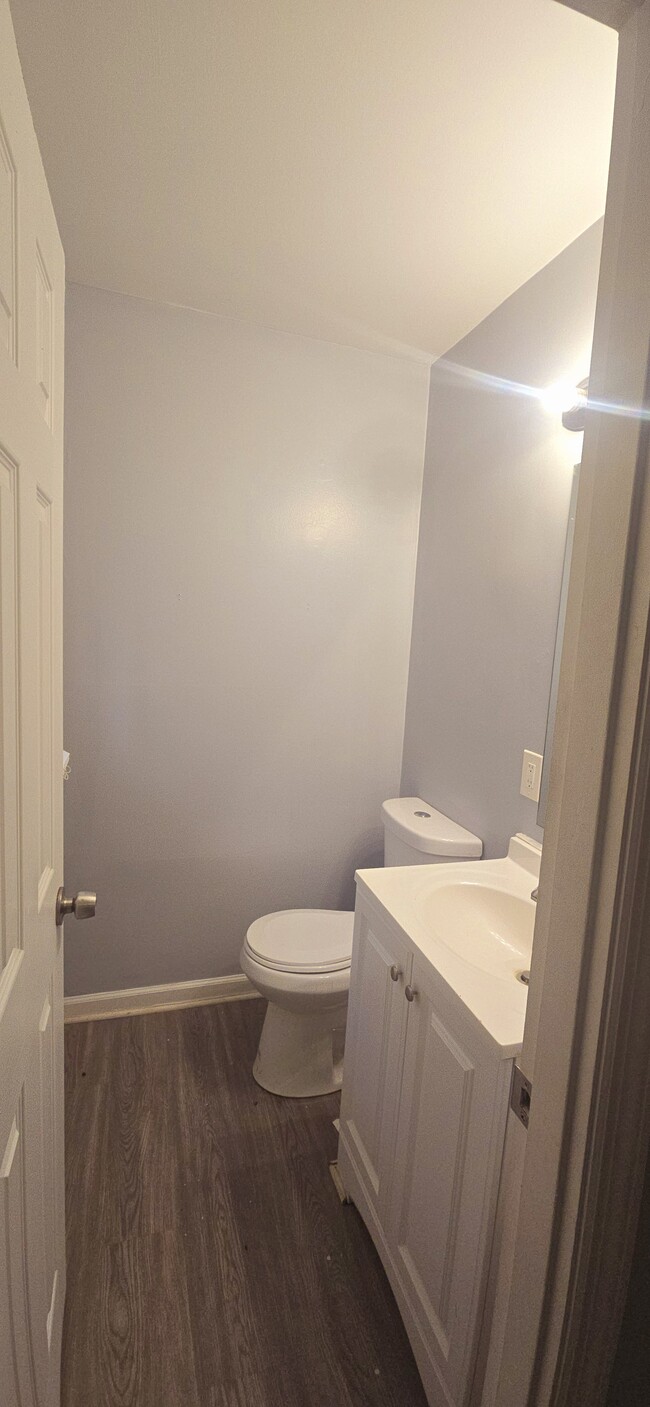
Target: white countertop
486,982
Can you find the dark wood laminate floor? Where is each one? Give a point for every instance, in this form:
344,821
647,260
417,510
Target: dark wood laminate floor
210,1263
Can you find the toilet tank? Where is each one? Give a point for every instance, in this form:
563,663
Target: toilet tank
416,834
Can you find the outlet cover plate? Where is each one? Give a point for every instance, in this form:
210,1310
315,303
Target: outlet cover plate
531,775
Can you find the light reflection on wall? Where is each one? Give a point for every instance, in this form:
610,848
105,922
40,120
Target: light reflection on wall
326,517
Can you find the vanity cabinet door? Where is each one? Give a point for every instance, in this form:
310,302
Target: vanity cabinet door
377,1011
450,1134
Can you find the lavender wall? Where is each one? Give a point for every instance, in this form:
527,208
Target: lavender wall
497,480
241,526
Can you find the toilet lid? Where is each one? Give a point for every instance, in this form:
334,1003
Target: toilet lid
303,940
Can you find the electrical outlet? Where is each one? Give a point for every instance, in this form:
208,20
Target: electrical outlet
531,775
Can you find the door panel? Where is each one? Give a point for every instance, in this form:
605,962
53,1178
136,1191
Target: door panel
444,1075
10,926
32,290
449,1140
44,331
8,270
44,692
18,1376
375,1029
48,1103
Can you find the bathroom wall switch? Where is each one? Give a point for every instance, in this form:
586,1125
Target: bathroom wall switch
531,775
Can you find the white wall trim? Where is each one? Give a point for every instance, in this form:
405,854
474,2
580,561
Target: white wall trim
132,1001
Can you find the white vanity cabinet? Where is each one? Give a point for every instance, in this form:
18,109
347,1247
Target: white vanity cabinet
374,1043
423,1115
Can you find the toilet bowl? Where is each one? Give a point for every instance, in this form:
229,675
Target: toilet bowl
299,959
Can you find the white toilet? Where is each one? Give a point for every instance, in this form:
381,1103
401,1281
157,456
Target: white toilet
299,959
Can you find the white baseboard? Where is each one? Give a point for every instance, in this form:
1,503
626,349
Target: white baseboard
132,1001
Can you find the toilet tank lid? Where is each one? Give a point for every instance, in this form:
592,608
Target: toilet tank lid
427,830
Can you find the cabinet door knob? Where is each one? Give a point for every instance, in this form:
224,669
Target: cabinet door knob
395,973
410,993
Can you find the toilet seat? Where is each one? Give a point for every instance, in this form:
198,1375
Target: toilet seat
302,940
299,960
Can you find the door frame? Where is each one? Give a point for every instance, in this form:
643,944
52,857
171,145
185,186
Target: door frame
587,1039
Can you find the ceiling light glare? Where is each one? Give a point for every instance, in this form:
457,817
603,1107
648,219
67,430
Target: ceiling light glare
561,396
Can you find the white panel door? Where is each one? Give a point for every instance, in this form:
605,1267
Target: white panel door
374,1038
32,1263
450,1135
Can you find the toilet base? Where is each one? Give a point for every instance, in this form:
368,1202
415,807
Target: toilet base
300,1054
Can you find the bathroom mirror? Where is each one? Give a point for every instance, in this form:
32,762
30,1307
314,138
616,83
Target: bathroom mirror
557,654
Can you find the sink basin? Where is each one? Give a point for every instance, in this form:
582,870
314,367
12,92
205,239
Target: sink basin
489,927
473,921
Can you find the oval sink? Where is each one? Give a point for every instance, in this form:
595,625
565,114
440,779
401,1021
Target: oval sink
488,927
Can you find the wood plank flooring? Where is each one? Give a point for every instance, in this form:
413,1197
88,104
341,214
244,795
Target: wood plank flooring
210,1263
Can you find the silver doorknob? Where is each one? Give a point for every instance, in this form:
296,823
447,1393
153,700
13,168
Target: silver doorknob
82,905
395,973
410,993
